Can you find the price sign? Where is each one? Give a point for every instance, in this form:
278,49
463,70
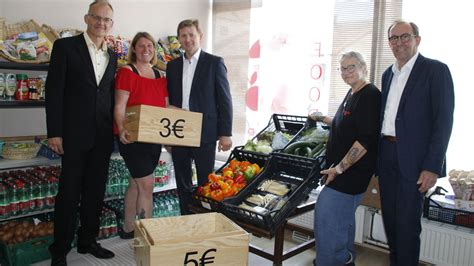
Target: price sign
164,126
192,258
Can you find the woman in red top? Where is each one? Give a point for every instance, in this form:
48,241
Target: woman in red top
138,83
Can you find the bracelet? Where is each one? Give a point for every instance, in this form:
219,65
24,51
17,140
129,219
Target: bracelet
338,169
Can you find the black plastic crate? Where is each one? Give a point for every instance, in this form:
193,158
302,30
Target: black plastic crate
299,136
290,124
238,154
434,211
300,172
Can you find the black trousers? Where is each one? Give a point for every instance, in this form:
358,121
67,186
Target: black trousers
402,206
204,159
81,190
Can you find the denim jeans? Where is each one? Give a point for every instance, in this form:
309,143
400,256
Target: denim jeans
334,226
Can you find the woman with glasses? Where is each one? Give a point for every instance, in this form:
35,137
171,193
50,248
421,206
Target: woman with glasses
138,83
351,152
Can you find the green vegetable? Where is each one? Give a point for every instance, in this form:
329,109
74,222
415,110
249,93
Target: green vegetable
299,144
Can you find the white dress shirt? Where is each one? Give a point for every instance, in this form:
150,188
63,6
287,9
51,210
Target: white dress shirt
99,57
189,67
399,80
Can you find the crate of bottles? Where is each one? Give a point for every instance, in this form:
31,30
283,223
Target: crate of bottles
165,204
117,181
28,190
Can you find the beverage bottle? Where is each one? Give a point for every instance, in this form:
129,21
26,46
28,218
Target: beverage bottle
49,197
4,201
113,224
155,209
106,223
39,194
32,193
23,195
15,201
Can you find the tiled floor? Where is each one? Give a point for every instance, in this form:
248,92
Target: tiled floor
124,254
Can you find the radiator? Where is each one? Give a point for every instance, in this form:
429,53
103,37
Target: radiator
445,244
441,244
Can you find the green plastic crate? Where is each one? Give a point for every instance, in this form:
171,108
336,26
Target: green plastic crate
26,253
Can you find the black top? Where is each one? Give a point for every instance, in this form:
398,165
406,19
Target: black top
357,119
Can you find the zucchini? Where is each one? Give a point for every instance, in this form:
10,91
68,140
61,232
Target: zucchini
298,144
316,150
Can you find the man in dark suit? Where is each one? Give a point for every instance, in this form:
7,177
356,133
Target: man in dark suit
198,82
79,105
417,117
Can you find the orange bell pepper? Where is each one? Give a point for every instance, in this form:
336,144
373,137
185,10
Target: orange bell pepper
217,195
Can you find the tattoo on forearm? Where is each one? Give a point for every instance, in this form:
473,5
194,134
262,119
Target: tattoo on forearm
353,155
142,214
343,166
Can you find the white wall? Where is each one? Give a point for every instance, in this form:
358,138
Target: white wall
159,17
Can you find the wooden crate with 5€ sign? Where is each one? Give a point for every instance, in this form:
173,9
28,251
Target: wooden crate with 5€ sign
164,126
198,239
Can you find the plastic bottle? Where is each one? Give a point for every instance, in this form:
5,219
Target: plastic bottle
49,197
10,86
4,202
2,86
14,201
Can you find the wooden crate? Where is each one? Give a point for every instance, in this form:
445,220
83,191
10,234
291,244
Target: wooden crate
164,126
190,240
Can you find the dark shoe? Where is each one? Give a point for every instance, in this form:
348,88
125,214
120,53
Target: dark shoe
126,235
58,261
96,250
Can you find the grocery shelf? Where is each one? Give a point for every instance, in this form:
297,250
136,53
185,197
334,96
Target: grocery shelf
38,161
27,215
23,66
21,104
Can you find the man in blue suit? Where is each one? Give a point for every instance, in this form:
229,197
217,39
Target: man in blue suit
198,82
417,117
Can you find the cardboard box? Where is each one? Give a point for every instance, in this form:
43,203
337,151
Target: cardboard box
209,238
372,194
164,126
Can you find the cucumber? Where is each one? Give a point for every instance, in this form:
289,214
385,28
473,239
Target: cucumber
298,144
307,151
316,149
320,152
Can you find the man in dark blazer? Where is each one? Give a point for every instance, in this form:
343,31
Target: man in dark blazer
79,104
417,118
198,82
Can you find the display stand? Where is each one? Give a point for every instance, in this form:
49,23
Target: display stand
279,254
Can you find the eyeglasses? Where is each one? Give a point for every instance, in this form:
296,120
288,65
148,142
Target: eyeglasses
348,69
96,18
405,37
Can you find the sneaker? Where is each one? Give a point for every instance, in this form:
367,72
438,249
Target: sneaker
350,261
126,235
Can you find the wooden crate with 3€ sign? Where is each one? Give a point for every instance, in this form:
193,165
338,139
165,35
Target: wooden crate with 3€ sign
164,126
198,239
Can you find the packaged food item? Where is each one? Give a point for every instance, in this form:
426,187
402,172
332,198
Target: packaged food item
2,86
32,89
41,86
10,86
26,51
21,87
